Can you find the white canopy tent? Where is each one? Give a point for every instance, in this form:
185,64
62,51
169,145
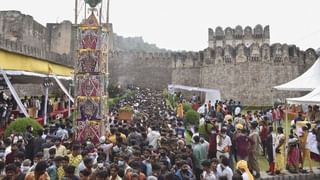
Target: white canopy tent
211,94
311,98
31,77
308,81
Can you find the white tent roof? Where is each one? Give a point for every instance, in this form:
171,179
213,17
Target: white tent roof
211,94
191,88
311,98
308,81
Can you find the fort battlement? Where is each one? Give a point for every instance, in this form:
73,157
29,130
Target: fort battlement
282,54
40,53
233,37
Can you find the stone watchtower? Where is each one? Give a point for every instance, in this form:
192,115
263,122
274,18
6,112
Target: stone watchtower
238,35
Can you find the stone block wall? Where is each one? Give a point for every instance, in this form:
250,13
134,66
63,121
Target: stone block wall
250,83
244,73
150,70
238,35
22,28
60,37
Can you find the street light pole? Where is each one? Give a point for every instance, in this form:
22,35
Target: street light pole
69,100
47,83
45,105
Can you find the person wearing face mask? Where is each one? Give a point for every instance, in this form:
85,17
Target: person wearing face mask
223,143
184,173
26,165
123,163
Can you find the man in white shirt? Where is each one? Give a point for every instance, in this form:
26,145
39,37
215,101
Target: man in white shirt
153,138
207,174
223,144
223,168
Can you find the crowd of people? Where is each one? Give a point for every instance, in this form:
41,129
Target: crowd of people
155,145
34,105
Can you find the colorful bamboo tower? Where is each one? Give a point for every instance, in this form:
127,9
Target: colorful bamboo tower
91,77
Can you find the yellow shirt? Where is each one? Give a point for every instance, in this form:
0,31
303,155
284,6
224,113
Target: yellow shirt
60,151
303,139
180,112
60,172
75,161
113,139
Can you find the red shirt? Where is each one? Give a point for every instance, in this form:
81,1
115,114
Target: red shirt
195,106
264,133
242,145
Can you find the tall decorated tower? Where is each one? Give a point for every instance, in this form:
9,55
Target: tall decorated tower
91,74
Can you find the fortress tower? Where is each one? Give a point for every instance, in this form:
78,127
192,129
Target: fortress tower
238,35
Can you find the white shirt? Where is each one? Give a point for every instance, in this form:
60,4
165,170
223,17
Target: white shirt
227,171
106,148
237,110
226,141
7,151
312,143
208,176
153,138
245,176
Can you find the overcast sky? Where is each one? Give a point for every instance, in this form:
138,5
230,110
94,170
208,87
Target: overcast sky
183,24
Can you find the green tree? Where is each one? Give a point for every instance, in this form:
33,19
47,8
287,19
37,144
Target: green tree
20,125
187,107
192,117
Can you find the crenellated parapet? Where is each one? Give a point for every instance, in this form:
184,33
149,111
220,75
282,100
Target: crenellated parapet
238,35
40,53
255,53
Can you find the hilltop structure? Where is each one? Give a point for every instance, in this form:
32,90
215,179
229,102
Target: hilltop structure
240,62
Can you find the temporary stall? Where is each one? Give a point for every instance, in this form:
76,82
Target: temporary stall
308,81
211,94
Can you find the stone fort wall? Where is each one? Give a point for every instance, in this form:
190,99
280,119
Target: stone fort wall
244,73
239,62
152,70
